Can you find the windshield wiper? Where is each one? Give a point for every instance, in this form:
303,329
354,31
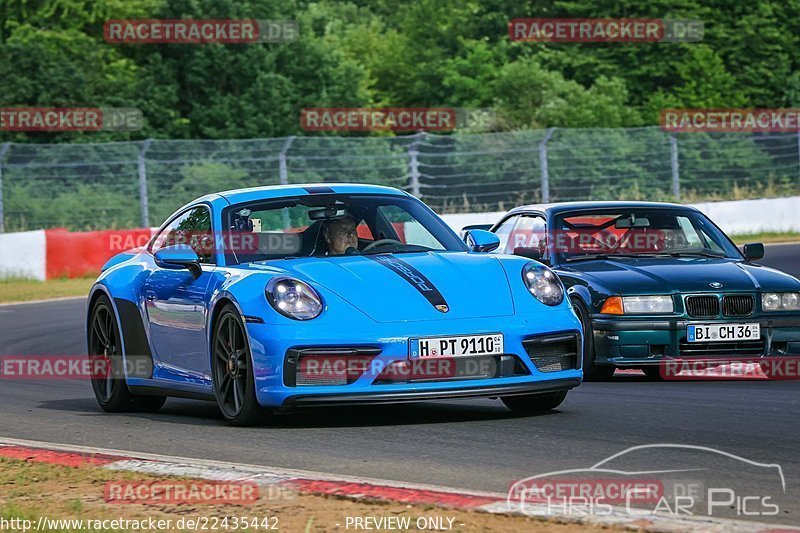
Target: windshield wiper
697,254
410,249
590,257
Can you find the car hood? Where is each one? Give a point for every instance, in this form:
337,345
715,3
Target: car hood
408,287
661,275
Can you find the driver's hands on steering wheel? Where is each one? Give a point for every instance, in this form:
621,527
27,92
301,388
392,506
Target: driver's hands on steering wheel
380,242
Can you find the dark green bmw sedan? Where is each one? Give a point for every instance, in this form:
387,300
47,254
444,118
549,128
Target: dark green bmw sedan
655,282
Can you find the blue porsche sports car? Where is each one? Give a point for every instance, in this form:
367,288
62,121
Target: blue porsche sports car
272,298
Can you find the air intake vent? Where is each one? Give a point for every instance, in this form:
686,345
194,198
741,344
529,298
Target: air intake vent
552,354
721,349
738,305
702,306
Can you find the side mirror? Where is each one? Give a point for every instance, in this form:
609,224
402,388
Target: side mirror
530,253
485,227
753,251
177,257
480,240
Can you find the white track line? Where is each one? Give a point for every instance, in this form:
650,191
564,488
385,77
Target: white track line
47,301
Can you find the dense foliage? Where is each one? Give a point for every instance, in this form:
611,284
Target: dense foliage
391,53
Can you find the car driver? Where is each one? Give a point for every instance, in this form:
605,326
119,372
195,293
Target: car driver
341,236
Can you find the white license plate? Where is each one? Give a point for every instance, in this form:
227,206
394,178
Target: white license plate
723,332
457,346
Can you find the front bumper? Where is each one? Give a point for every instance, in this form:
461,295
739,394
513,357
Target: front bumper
552,385
638,342
273,345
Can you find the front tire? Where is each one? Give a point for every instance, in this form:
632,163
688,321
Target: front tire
591,371
530,404
105,352
232,371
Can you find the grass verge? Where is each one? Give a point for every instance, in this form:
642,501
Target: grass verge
30,490
767,237
23,290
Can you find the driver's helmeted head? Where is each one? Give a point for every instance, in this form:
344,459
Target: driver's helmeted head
340,234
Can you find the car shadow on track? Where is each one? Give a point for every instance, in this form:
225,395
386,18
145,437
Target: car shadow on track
398,415
194,412
206,413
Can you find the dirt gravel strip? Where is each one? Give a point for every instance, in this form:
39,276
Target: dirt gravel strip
316,483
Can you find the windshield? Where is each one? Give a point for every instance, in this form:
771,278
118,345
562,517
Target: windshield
636,233
333,225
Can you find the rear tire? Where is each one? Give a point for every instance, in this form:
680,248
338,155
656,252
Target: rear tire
104,345
534,403
232,371
591,371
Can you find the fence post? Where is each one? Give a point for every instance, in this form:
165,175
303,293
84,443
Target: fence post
3,151
543,165
283,170
143,201
283,176
673,157
413,165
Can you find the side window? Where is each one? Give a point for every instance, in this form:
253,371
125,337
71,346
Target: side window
530,232
193,227
503,231
689,233
408,229
697,235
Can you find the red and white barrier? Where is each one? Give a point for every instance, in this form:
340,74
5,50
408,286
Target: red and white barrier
78,254
23,255
59,253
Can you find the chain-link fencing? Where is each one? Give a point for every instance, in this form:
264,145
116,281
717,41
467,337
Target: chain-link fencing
138,184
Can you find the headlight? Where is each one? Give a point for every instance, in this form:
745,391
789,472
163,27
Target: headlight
780,301
543,284
293,298
638,305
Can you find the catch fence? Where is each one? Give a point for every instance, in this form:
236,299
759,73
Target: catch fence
137,184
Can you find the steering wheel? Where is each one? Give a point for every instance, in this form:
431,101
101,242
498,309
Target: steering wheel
380,242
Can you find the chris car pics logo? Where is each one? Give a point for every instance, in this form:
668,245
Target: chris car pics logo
647,481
